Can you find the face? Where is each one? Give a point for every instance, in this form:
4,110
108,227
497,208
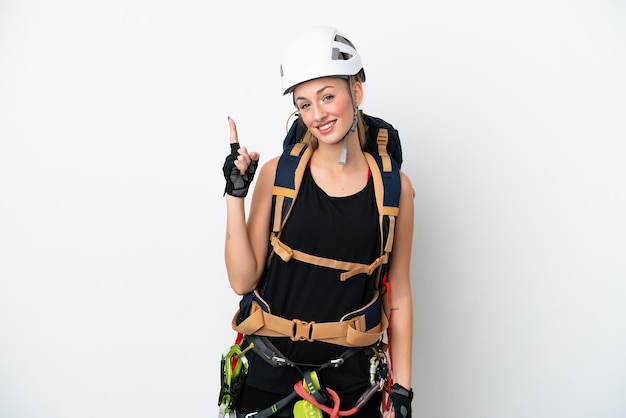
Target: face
326,107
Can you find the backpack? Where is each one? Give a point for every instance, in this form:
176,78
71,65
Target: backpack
382,144
359,328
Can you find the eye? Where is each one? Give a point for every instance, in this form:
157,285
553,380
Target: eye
328,98
303,106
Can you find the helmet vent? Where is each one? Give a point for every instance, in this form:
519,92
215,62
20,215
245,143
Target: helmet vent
341,39
337,54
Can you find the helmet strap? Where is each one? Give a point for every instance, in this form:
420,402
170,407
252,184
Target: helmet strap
344,147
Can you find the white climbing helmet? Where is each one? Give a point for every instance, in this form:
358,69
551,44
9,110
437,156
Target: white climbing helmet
321,51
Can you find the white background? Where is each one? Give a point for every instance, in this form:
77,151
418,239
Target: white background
113,296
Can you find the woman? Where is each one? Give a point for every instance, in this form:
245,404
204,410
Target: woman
335,216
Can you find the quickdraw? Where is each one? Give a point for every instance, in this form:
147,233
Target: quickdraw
234,367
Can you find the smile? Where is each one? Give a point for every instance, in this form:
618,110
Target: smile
325,127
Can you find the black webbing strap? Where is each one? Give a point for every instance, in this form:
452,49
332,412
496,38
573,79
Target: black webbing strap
271,410
268,352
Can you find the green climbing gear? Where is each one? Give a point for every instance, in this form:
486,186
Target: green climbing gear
234,367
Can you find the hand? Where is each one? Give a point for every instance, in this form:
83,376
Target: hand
401,401
239,166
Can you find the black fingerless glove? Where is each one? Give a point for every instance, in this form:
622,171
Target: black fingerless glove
236,184
401,400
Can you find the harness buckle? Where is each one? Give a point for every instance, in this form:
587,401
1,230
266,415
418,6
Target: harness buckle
302,330
337,362
278,361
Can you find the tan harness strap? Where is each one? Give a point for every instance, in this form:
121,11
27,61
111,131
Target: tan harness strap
367,269
379,188
283,193
381,140
350,269
346,333
303,162
297,148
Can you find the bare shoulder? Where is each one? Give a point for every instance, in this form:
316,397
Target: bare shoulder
271,164
268,170
266,176
406,185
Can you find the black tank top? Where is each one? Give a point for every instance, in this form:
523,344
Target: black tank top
342,228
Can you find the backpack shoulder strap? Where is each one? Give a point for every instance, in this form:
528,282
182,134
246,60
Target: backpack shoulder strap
289,172
386,177
385,170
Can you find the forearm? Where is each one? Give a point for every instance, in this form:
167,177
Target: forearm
238,253
401,343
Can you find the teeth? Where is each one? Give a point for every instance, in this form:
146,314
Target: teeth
325,126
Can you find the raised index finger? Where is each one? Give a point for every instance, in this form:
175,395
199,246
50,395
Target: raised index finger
233,131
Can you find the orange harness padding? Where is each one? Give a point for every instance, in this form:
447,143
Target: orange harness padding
351,331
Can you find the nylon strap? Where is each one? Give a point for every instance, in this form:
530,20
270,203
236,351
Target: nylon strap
381,139
271,410
390,211
351,333
351,269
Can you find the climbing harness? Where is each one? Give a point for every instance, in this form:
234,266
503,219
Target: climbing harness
315,399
